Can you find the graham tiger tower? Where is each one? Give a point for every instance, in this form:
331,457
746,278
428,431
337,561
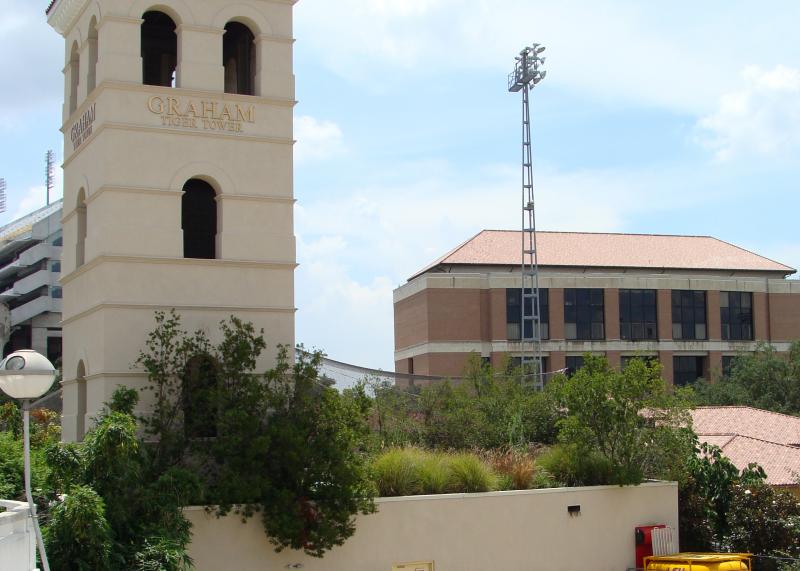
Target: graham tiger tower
178,187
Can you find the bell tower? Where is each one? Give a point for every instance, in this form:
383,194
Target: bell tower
178,187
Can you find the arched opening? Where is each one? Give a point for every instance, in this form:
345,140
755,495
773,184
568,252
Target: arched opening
239,59
91,76
200,382
74,76
199,220
159,49
80,244
80,413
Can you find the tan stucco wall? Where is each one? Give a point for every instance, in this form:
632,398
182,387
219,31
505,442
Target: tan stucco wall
132,166
500,531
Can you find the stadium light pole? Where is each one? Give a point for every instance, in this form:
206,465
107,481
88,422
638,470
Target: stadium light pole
26,375
526,75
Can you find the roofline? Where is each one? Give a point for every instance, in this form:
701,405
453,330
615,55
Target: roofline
735,435
786,271
711,406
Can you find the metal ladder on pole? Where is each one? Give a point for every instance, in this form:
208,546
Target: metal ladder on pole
525,76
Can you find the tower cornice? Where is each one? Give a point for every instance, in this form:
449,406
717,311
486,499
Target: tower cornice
61,14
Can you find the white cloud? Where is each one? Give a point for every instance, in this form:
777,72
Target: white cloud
317,139
623,52
761,118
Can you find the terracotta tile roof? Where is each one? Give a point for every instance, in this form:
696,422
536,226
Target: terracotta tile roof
747,421
747,435
583,249
780,462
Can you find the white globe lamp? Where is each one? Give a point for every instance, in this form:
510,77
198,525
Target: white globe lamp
26,375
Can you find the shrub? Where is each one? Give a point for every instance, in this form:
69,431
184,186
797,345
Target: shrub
397,472
78,536
469,474
160,554
434,473
516,469
574,467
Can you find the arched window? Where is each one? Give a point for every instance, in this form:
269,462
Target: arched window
200,382
159,49
80,244
80,412
239,59
199,220
91,76
74,76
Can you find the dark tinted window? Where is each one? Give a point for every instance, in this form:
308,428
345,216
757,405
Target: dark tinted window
514,313
637,314
583,314
686,370
689,314
736,314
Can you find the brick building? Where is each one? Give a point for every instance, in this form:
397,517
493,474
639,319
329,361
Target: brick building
693,302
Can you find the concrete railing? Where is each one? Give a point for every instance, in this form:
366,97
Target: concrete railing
17,538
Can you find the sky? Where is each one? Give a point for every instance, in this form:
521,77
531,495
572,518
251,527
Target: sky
671,118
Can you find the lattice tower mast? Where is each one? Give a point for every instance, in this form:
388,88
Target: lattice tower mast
50,160
524,78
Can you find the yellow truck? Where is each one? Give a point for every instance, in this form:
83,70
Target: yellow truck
699,562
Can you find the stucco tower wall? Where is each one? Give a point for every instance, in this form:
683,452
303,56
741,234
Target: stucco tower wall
130,149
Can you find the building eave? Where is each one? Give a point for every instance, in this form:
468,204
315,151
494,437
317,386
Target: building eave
62,14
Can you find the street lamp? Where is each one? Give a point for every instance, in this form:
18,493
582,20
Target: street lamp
26,375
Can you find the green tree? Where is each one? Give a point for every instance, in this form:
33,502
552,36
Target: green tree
628,418
78,537
281,443
763,379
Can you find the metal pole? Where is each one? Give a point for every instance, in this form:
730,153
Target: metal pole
26,439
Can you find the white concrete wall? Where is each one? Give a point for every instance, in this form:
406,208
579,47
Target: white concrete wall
17,538
498,531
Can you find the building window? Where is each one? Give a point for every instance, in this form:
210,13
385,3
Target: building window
689,314
736,314
583,314
199,391
637,314
54,351
80,413
80,245
91,76
573,363
199,220
74,75
239,59
686,370
530,370
55,292
727,365
514,313
411,365
159,49
55,267
649,360
58,240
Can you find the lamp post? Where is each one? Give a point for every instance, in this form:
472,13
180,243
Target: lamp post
26,375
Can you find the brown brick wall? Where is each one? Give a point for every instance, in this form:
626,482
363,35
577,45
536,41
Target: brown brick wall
760,317
556,316
411,320
497,310
666,367
446,364
454,314
558,360
712,316
784,316
614,359
664,310
611,303
713,366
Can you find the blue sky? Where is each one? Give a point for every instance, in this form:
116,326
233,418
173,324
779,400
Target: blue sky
659,118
